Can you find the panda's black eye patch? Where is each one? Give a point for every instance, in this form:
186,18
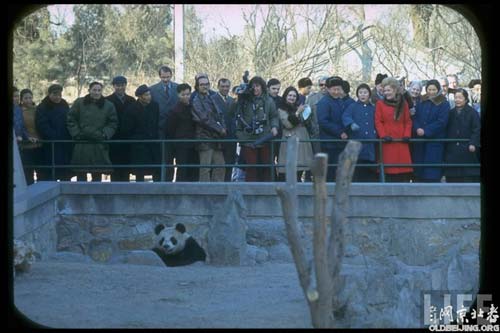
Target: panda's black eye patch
162,240
173,240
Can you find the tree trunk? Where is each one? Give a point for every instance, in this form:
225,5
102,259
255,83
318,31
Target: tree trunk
317,282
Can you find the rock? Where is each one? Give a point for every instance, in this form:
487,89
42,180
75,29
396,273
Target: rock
266,233
66,256
100,249
143,257
250,255
280,253
24,255
226,240
261,255
139,242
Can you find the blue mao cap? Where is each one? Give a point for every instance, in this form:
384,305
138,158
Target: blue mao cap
119,80
141,90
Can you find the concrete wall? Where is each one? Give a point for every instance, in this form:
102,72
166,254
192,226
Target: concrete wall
400,239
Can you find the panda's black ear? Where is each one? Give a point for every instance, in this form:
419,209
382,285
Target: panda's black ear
159,228
180,228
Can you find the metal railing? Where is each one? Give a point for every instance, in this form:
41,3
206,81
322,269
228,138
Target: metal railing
272,166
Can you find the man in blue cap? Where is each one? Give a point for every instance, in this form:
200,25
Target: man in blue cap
140,122
119,152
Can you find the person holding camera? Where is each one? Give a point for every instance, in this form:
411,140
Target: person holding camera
210,124
256,118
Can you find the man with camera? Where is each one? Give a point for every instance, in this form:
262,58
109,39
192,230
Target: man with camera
256,118
210,124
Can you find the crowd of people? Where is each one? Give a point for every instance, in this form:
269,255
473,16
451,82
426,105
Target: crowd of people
239,126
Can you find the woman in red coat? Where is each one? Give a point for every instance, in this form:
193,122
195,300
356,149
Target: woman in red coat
392,121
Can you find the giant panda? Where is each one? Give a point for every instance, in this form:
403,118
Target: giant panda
176,247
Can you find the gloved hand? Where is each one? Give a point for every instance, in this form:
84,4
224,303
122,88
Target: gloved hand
387,138
354,127
406,139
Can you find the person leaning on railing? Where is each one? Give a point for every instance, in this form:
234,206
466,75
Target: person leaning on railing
50,120
92,118
359,119
463,123
31,149
256,117
140,121
392,121
294,125
429,122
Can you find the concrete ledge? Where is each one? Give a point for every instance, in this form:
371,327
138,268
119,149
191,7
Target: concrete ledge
35,195
365,189
199,199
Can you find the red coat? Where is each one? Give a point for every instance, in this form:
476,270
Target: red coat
394,152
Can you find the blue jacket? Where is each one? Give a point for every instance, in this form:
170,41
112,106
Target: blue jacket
362,115
50,124
432,117
329,112
166,104
19,127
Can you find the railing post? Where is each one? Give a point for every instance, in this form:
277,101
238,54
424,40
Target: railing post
162,178
271,167
381,157
53,161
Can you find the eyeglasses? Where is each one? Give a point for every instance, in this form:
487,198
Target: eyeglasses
204,84
321,84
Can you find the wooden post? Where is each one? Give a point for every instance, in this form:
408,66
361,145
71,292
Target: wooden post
320,283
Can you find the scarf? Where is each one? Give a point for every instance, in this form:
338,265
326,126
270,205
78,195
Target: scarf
397,103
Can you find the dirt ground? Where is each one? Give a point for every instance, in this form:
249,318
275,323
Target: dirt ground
81,295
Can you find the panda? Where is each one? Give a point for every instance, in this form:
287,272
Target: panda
176,247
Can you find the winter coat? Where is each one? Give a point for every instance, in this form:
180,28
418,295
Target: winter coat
330,112
19,127
180,124
265,113
29,117
226,107
432,116
119,152
386,125
94,121
50,122
140,123
463,125
209,120
312,122
166,103
294,126
362,115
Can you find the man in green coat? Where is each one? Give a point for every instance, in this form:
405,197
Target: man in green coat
92,118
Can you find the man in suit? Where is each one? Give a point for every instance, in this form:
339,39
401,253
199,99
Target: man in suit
165,94
226,103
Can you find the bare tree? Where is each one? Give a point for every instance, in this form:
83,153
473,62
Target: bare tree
320,277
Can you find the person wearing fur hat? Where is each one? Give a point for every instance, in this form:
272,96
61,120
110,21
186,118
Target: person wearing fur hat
92,118
475,96
378,91
392,121
330,109
119,152
140,122
429,122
